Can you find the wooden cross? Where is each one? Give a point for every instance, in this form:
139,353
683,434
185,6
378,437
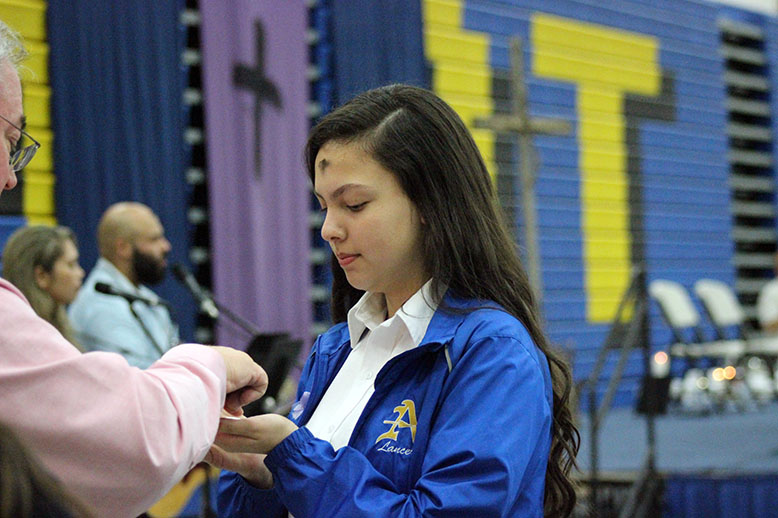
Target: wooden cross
519,123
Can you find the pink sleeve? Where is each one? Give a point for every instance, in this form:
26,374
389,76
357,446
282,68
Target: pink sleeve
118,437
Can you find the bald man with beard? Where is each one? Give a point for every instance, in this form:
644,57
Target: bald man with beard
133,252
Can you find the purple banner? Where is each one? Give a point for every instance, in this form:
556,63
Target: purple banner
254,62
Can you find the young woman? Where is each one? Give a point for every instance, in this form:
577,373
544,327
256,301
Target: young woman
436,393
43,263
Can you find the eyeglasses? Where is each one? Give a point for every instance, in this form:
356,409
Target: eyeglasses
22,156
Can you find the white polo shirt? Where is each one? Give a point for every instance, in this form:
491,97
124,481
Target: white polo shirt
337,414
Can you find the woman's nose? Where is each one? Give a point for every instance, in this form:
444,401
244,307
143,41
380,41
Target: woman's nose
330,229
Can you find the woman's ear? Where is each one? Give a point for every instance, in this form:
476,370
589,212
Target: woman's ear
42,278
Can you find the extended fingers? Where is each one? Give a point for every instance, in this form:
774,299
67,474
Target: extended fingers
238,426
258,434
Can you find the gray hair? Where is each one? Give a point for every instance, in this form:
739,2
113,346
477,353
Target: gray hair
11,45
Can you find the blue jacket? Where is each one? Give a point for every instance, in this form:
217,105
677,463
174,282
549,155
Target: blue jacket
458,426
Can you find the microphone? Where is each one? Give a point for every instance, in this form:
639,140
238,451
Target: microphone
107,289
207,305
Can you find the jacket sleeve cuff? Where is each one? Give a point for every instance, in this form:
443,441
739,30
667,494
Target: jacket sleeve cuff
289,447
238,498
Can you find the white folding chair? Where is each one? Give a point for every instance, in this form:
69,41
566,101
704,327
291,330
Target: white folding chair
721,305
682,317
725,311
691,346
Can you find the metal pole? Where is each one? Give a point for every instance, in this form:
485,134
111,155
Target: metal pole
594,430
526,173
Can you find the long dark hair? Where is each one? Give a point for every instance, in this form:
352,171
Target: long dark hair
466,245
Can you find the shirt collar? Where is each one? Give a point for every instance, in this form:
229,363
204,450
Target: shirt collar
370,312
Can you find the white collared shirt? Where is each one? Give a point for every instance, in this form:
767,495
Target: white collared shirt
336,415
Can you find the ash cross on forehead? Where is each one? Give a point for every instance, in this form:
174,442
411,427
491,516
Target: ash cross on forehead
243,76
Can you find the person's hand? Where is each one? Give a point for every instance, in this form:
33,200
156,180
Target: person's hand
241,446
246,381
258,434
250,466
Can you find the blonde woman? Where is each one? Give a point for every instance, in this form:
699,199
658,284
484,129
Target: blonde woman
43,263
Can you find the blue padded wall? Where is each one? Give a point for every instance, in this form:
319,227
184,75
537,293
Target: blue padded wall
642,178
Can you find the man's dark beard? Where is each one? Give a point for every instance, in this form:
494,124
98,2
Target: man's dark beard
148,270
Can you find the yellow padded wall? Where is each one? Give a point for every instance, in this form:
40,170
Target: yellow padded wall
28,17
461,72
605,64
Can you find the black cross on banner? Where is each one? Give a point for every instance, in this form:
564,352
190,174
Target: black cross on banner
245,77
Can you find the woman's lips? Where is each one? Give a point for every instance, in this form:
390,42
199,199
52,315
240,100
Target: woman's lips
346,259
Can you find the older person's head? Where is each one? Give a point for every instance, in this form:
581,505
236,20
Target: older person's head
43,263
12,119
132,238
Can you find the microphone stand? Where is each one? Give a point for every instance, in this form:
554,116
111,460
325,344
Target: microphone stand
276,352
241,322
207,301
206,510
145,329
291,349
106,289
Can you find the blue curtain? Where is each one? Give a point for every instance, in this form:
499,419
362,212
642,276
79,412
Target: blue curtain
721,496
118,121
390,49
390,45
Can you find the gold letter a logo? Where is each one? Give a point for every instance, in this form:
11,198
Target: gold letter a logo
409,408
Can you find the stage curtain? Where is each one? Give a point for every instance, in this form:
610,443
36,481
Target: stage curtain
721,496
118,121
390,49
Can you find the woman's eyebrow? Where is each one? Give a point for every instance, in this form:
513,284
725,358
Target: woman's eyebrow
340,191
